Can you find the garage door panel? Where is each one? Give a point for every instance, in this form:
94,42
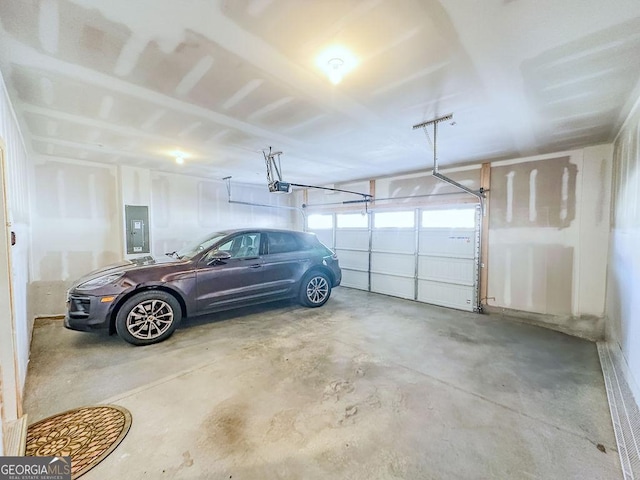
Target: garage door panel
396,241
446,295
452,270
378,253
355,279
352,248
355,260
393,264
447,257
357,238
391,285
448,243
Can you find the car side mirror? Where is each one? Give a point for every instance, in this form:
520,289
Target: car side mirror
218,257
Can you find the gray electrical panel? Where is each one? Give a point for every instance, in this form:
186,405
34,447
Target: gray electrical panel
137,228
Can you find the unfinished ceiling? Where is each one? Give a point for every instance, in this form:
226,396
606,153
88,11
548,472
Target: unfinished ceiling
129,82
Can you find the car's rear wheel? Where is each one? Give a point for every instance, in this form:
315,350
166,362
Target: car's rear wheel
315,289
148,317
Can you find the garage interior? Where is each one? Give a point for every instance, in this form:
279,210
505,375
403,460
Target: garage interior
486,323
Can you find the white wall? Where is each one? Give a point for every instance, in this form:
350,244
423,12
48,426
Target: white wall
184,208
76,227
548,237
78,217
15,327
623,287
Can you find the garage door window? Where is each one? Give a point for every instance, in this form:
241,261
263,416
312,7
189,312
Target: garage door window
394,220
319,222
453,218
352,220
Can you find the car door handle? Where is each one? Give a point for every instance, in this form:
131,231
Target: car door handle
256,265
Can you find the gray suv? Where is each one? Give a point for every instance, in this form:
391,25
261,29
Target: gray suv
144,299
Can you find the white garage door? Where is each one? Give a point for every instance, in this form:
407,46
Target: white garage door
393,253
352,247
427,255
448,257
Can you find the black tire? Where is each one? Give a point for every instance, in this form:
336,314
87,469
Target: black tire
148,317
315,289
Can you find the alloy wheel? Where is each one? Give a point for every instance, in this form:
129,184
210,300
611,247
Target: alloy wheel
317,289
149,319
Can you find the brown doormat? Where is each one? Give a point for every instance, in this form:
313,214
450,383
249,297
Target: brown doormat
86,434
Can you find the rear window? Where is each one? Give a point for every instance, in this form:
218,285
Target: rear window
281,242
311,242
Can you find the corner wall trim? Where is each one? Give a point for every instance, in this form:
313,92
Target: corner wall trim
625,413
16,441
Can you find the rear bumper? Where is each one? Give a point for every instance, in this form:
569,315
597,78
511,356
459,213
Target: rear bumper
337,276
87,313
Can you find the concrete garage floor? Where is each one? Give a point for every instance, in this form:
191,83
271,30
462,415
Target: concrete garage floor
367,387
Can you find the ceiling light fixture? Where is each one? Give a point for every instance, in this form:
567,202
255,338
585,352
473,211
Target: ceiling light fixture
335,70
336,61
179,156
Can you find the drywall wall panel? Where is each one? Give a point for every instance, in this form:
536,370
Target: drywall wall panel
623,274
538,193
76,228
298,220
593,236
184,208
537,278
324,197
135,185
423,186
79,209
15,331
548,237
